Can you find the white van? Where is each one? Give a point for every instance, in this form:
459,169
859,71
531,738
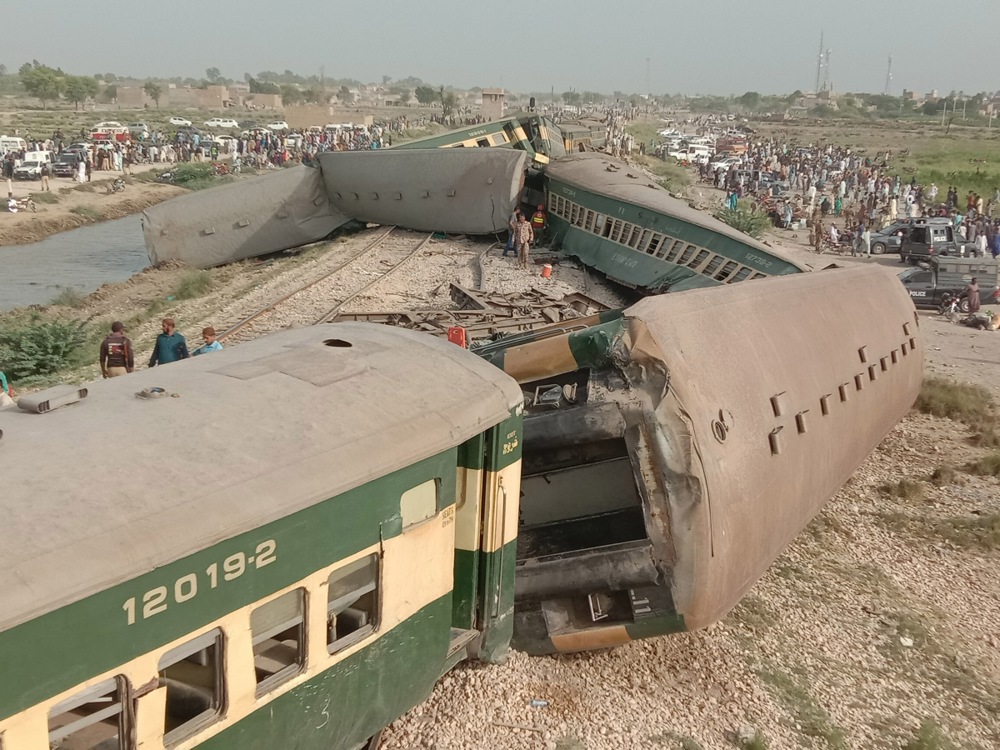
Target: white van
11,143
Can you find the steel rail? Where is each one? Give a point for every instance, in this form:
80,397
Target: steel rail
273,304
335,310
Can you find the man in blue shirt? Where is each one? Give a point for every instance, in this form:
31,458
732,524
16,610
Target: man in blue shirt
211,345
170,346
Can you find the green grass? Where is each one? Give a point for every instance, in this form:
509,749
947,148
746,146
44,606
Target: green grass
87,212
746,220
971,404
194,284
930,737
45,197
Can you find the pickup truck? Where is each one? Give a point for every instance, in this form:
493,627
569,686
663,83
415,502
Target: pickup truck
929,239
928,283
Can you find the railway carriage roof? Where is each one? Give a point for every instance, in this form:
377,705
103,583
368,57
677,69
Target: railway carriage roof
591,172
104,490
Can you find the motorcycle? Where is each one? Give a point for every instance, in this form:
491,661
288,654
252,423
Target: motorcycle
952,304
117,186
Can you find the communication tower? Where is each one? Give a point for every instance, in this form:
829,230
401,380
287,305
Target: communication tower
888,78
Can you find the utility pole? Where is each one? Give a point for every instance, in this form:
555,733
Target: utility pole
649,90
944,112
819,63
826,74
888,78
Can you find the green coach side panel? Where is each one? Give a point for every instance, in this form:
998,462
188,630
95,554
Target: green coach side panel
44,656
344,705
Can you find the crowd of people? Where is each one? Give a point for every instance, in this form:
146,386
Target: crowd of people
823,185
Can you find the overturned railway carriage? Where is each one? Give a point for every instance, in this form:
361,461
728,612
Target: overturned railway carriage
613,219
294,536
672,451
538,136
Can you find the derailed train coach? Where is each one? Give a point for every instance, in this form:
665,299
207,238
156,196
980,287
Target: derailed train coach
673,450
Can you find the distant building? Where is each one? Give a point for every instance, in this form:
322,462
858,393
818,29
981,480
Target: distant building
493,105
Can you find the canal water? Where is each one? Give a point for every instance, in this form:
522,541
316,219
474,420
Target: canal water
82,259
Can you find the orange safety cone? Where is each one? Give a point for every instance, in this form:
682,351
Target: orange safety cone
546,270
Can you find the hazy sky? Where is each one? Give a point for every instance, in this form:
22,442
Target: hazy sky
720,47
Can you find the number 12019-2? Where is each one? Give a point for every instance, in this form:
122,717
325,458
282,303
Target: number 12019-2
185,588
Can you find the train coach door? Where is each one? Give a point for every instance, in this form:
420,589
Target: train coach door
468,530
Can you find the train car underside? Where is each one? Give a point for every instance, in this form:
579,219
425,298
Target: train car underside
589,574
672,453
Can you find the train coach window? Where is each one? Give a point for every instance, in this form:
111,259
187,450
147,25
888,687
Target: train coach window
700,258
726,270
419,503
742,275
713,265
92,718
192,674
352,602
686,256
278,629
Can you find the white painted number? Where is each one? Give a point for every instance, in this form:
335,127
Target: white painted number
185,588
265,553
154,602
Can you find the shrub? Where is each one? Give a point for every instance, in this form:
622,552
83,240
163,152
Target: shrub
987,466
942,475
45,197
929,737
904,489
946,398
40,349
68,297
194,284
185,173
753,223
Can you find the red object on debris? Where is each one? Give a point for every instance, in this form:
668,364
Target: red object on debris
456,335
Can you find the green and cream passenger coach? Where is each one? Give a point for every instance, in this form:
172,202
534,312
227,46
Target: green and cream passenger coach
614,219
287,548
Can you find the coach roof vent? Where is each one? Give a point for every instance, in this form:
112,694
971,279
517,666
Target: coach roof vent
338,343
51,398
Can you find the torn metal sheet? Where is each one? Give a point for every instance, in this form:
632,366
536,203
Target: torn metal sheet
469,191
243,219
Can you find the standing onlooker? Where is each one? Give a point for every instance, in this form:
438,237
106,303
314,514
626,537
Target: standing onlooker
44,173
523,239
210,345
972,292
117,357
8,172
511,246
6,392
170,346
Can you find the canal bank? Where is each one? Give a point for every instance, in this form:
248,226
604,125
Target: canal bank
69,206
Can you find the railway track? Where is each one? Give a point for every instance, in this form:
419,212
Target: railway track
321,299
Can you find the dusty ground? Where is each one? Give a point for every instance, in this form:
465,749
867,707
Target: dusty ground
872,623
77,205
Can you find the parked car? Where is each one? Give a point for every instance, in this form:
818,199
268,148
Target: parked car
928,283
30,169
65,164
278,125
175,120
221,122
138,127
